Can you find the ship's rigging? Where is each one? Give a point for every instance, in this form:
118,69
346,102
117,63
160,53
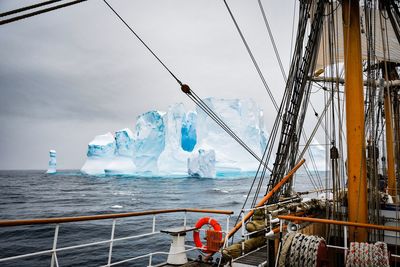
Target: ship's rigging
363,178
314,18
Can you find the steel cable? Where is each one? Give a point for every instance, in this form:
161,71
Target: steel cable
145,45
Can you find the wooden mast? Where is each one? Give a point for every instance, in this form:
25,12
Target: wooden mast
390,73
389,145
356,162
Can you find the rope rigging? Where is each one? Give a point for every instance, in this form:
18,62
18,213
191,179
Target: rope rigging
145,45
299,88
274,132
34,13
271,36
283,71
273,135
18,10
200,103
261,173
252,57
268,150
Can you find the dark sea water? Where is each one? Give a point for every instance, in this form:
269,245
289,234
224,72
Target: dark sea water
33,194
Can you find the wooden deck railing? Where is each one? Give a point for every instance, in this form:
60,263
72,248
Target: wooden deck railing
346,223
4,223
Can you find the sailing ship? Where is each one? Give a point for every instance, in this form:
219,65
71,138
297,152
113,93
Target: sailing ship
352,53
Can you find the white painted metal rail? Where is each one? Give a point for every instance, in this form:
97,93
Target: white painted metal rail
59,221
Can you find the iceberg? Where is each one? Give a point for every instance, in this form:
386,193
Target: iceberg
181,142
52,162
100,154
124,143
188,131
202,164
246,120
122,163
173,159
149,141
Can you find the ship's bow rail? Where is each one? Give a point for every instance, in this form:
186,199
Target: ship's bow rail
155,219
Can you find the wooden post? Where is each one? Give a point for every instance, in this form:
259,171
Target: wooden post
356,162
389,144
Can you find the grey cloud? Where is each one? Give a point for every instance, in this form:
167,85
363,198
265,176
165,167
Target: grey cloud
80,68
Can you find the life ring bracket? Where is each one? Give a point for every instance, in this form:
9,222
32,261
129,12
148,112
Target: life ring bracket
213,236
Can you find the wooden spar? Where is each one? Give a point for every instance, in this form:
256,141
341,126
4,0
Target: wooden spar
356,162
392,83
389,145
326,221
265,198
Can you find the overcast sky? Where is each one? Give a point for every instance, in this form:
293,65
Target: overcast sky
71,74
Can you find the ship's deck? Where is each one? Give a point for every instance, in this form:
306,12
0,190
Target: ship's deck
257,257
189,264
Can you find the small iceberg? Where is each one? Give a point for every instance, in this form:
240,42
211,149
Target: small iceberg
52,162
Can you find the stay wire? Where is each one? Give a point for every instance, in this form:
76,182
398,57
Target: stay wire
271,36
37,12
274,132
252,185
190,92
291,38
140,39
215,117
311,178
251,56
276,124
281,67
272,138
197,100
263,172
25,8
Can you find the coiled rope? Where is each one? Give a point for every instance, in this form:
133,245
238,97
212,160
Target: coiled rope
364,254
299,250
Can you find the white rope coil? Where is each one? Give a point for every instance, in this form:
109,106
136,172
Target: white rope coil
364,254
300,250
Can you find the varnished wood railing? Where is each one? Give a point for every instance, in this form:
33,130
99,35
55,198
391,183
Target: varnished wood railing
346,223
4,223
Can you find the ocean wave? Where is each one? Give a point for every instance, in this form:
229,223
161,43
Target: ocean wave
218,190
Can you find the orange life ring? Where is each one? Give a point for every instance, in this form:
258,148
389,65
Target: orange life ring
196,234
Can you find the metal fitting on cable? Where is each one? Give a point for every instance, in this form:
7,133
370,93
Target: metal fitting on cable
186,89
334,152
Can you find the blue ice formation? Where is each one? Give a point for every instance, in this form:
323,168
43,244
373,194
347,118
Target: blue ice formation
188,132
100,154
124,143
173,159
149,140
52,162
122,162
102,146
202,164
246,119
181,142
